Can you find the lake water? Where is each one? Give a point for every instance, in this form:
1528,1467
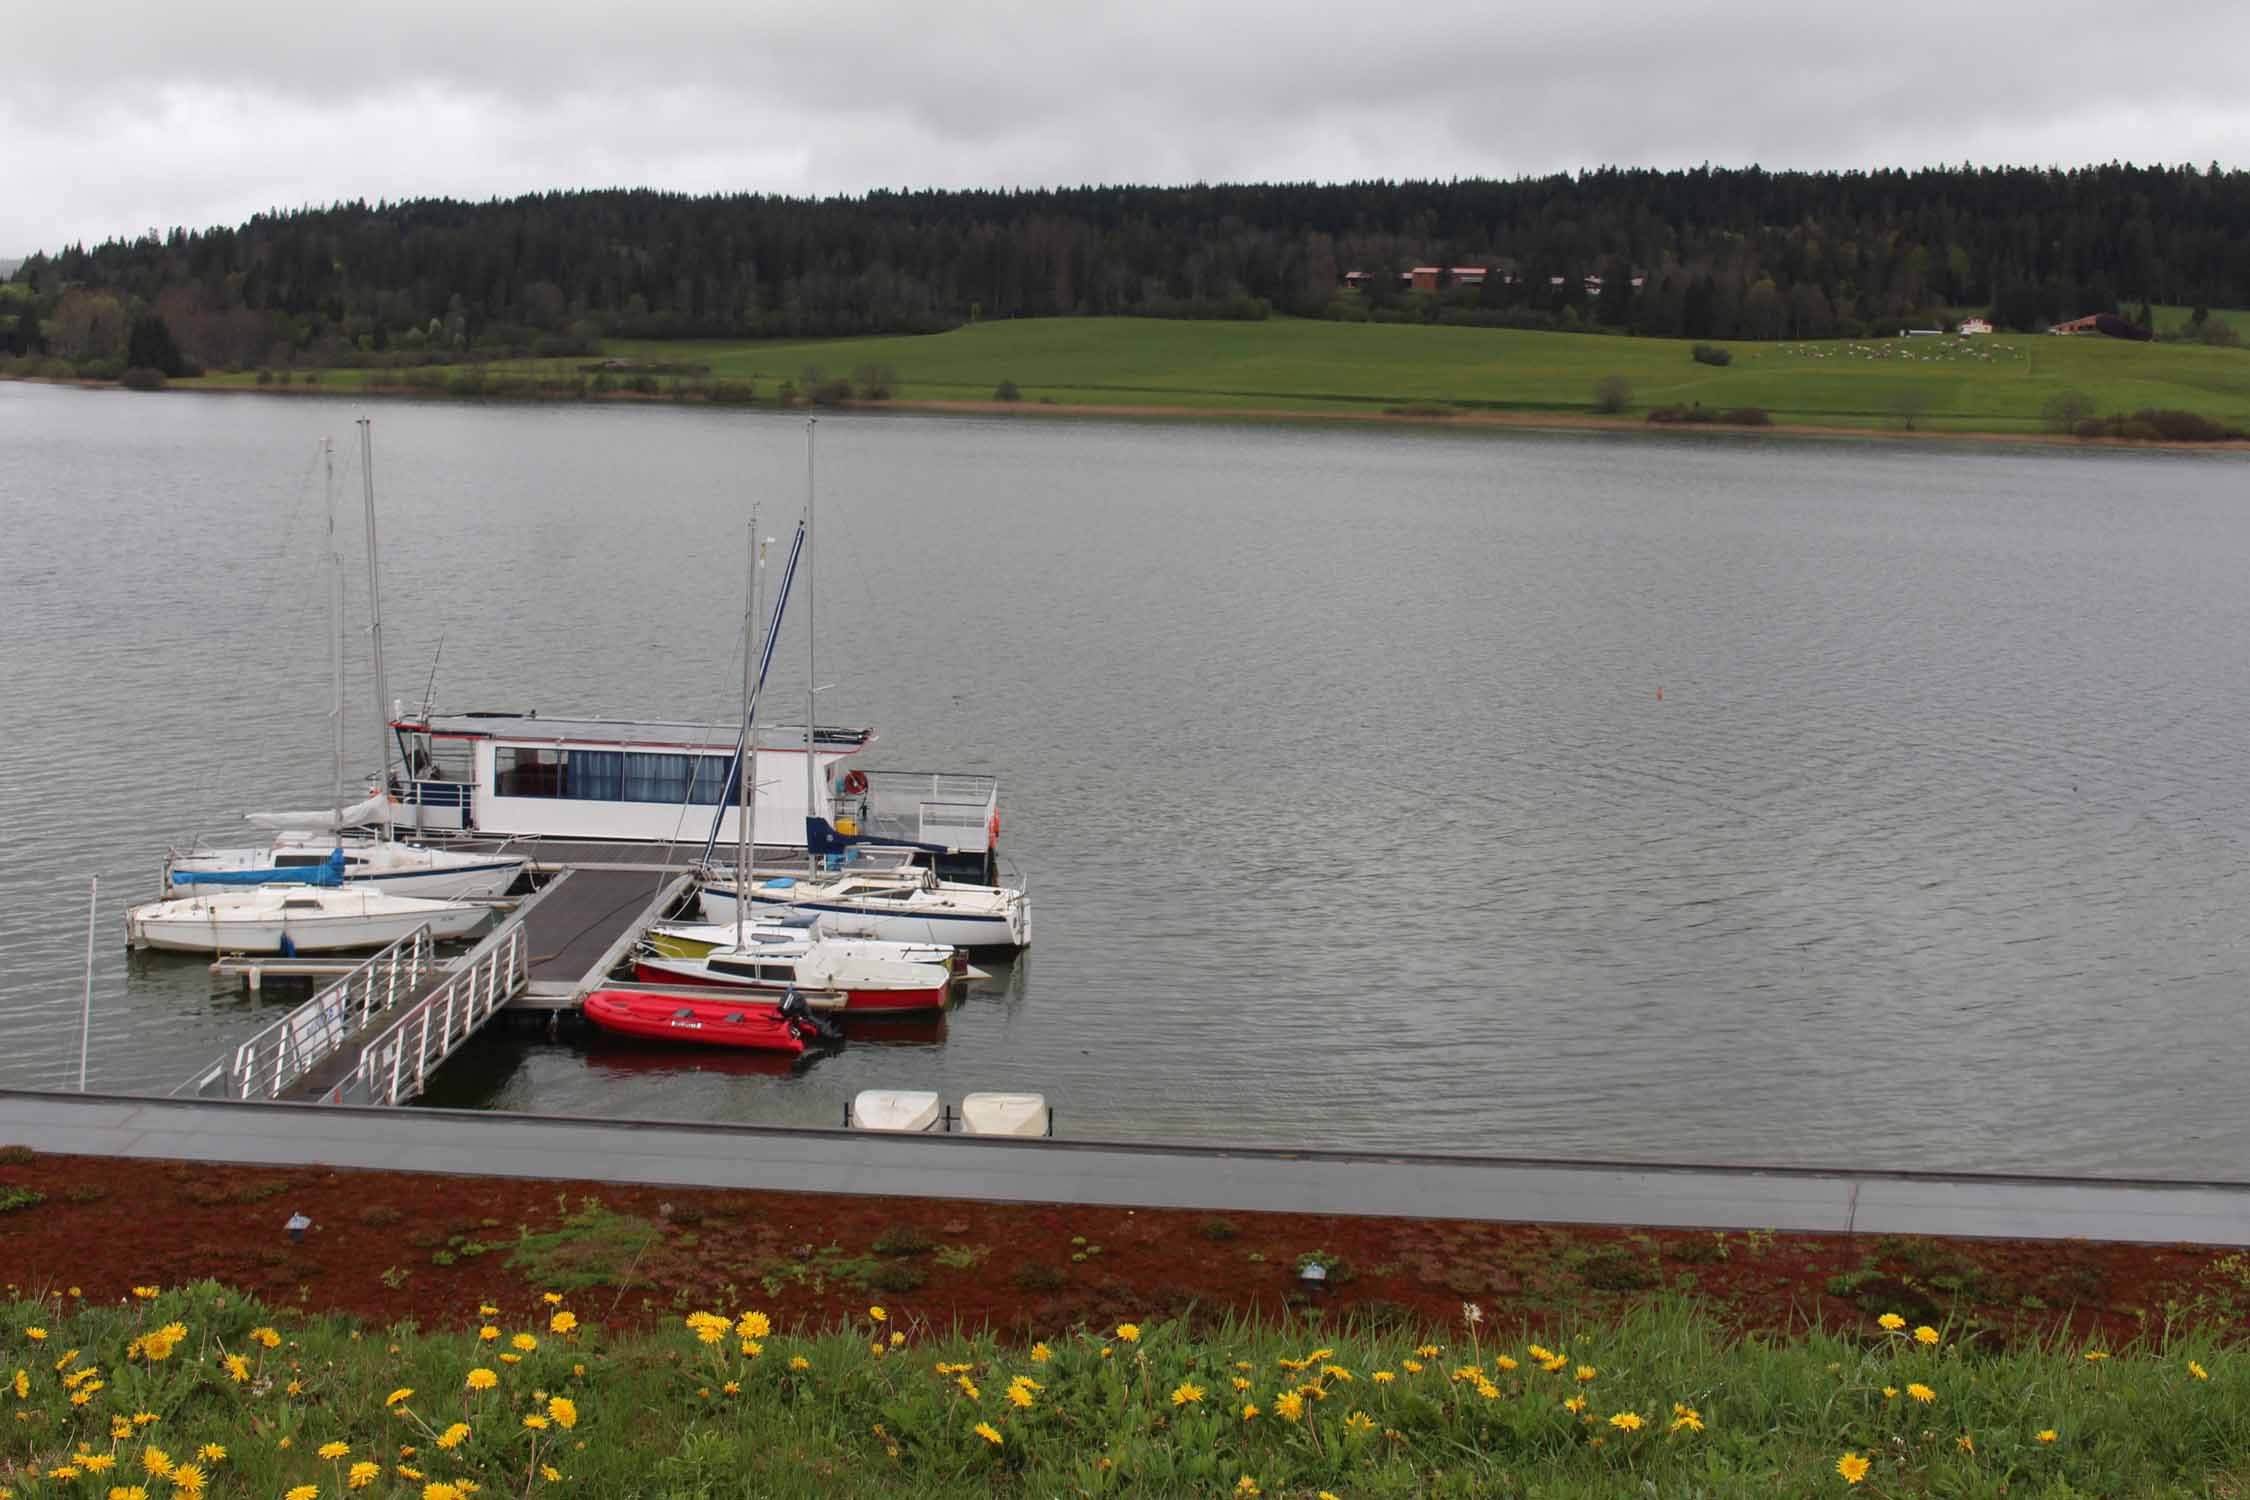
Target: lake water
1721,798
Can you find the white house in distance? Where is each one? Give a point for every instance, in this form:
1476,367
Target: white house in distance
1974,325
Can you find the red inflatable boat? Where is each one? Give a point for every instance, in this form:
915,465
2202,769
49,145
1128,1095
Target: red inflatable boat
710,1023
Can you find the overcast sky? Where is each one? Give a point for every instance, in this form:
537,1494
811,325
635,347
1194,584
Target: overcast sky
142,114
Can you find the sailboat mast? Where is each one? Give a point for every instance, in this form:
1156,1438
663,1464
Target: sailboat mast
812,761
335,640
746,766
375,616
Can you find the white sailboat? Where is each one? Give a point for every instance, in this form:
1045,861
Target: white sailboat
308,841
293,919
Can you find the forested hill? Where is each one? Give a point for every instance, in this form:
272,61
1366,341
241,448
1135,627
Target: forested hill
1715,253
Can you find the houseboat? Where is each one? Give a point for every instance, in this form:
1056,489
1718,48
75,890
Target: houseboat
522,775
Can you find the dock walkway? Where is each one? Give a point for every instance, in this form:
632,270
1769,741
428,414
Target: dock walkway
1497,1189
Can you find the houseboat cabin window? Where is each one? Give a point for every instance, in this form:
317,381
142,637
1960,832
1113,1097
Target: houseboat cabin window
610,775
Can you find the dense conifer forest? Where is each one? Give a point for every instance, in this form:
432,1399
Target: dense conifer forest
1708,253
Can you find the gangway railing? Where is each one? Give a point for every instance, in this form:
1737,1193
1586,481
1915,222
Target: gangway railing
396,1065
268,1064
953,810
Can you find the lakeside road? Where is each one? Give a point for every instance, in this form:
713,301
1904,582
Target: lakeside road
1987,386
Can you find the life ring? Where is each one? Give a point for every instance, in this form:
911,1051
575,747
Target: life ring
855,783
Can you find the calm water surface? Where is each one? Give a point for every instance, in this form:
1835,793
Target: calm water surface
1720,799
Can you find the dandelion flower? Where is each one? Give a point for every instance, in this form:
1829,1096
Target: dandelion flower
488,1333
731,1388
968,1387
1040,1354
1186,1393
1247,1487
211,1453
1965,1443
1586,1373
146,1292
237,1367
1428,1351
552,1299
1504,1363
799,1362
2095,1356
1539,1353
187,1479
897,1338
525,1342
563,1322
1852,1467
550,1473
265,1338
1383,1377
363,1474
1688,1419
1289,1406
1020,1398
334,1450
1575,1405
535,1422
1556,1365
454,1436
95,1463
1487,1389
751,1348
1248,1411
1359,1421
438,1490
2193,1369
709,1327
1129,1332
988,1432
564,1411
1411,1366
2046,1434
395,1397
23,1384
304,1492
1921,1393
1925,1334
1626,1421
482,1379
752,1325
878,1314
1891,1321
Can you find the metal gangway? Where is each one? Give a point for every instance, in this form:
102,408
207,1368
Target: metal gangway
375,1035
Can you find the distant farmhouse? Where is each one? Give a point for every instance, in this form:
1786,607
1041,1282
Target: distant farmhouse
1974,325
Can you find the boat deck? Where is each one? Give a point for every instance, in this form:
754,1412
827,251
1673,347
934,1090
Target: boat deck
1493,1189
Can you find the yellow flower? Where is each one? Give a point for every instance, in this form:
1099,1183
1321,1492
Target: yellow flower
525,1342
1019,1397
1965,1443
1289,1406
1626,1421
751,1348
1921,1393
395,1397
897,1338
1487,1389
334,1450
799,1362
2046,1434
35,1334
1129,1332
1336,1372
237,1367
535,1422
482,1379
295,1388
877,1314
1186,1392
454,1436
2193,1369
754,1325
1852,1467
188,1480
304,1492
1359,1421
265,1337
731,1388
988,1432
1428,1351
1383,1377
563,1410
1890,1393
1555,1365
403,1472
2095,1356
709,1327
550,1473
552,1299
1688,1418
1247,1487
1539,1353
1925,1334
146,1292
1891,1321
23,1384
1575,1405
488,1333
437,1490
1411,1366
211,1453
1248,1411
96,1463
563,1322
1586,1373
363,1474
1040,1354
1505,1363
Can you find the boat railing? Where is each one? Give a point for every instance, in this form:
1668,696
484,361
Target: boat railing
266,1065
396,1064
952,809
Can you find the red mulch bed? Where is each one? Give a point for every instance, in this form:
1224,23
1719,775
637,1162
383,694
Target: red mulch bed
383,1240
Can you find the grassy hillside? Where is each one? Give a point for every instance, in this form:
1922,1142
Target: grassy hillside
1993,383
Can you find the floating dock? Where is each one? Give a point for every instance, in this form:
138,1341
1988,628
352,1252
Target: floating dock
1217,1179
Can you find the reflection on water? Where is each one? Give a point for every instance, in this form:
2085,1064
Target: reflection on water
1550,794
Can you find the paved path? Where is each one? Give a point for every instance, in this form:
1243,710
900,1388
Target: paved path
476,1143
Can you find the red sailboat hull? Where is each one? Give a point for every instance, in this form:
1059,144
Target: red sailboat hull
709,1023
856,1001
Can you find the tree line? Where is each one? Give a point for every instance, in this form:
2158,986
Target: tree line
1707,253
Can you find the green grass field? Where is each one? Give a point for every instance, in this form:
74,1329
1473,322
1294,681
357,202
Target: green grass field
1993,383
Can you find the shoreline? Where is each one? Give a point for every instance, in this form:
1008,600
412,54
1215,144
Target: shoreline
1471,419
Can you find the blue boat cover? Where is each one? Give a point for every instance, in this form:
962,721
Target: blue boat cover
330,873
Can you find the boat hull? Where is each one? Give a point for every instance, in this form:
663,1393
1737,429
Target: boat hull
702,1023
302,933
858,999
440,876
1005,930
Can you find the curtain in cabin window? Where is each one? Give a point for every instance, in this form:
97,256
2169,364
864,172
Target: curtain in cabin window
596,776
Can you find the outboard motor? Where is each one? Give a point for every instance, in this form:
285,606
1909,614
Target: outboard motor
803,1024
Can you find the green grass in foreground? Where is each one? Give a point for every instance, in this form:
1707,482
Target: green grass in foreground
1656,1403
1986,384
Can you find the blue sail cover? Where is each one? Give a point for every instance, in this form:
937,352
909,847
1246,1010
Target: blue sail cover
329,873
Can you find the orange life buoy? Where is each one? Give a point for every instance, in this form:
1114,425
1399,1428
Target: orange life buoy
855,783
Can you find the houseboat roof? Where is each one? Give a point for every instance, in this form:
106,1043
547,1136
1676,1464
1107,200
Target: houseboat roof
533,727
